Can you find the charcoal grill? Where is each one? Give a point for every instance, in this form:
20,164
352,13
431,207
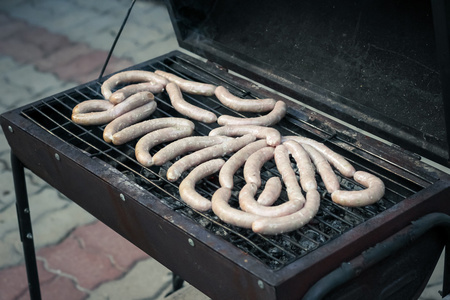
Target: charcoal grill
341,254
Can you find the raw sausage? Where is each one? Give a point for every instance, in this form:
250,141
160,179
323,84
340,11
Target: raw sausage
374,191
120,95
197,157
248,203
187,109
148,141
185,145
188,86
281,156
132,76
324,169
239,104
237,160
272,118
93,105
127,119
304,165
271,192
254,163
139,129
187,187
272,135
337,160
296,220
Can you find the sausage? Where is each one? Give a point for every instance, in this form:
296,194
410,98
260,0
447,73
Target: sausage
156,137
187,109
127,119
237,160
188,86
271,192
254,163
248,203
337,160
281,156
294,221
132,76
272,118
272,135
139,129
185,145
374,191
228,214
239,104
120,95
304,165
199,156
103,117
93,105
187,187
324,169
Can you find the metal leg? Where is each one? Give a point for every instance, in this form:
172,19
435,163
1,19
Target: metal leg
26,234
446,283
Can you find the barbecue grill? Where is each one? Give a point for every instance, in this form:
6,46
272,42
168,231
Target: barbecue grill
285,51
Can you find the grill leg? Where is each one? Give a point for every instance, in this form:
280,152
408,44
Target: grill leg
26,234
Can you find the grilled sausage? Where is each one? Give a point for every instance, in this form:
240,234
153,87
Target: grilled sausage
271,192
139,129
374,191
304,165
272,135
337,160
324,169
187,187
296,220
148,141
130,77
123,93
197,157
188,86
103,117
248,203
254,163
228,214
272,118
127,119
185,145
93,105
237,160
239,104
187,109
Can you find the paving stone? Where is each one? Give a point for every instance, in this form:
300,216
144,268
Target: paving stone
82,65
62,57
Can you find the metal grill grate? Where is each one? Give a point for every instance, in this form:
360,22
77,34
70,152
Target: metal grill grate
53,115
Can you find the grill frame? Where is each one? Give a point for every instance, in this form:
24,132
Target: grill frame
82,179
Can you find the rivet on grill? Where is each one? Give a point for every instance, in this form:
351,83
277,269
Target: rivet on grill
57,156
191,242
26,210
122,196
260,284
29,236
10,129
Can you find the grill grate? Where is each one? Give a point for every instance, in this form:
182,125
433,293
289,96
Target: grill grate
53,115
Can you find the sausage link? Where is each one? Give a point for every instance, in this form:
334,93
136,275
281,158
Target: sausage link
254,163
188,86
248,203
93,105
125,92
304,165
272,135
185,145
294,221
337,160
239,104
127,119
228,214
187,109
132,76
271,192
236,161
139,129
199,156
324,169
272,118
148,141
374,191
187,187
